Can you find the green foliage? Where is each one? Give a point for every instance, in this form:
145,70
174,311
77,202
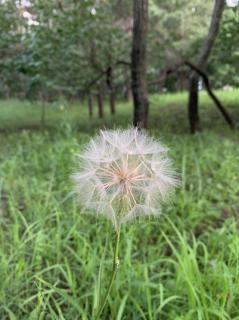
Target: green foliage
225,58
177,30
11,25
58,48
63,46
181,266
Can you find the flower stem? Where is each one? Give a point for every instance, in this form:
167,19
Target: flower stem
113,274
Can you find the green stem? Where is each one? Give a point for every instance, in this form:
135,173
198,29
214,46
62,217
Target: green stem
114,271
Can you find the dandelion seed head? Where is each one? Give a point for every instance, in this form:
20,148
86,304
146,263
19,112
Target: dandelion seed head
124,174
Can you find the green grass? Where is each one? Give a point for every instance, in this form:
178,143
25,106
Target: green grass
182,266
16,115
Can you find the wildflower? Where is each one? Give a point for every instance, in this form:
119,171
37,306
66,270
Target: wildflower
124,174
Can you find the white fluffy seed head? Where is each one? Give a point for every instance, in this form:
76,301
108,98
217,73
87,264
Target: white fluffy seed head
124,174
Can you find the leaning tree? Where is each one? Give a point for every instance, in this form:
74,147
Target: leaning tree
201,63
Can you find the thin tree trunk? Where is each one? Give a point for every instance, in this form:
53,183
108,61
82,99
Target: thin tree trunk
111,90
214,98
127,93
90,105
138,64
112,101
193,113
127,86
43,110
100,103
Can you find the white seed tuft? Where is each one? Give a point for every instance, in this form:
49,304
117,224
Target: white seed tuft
124,174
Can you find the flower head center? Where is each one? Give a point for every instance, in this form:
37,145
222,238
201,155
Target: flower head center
123,176
126,176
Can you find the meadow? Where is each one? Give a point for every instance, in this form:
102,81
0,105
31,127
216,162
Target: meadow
55,261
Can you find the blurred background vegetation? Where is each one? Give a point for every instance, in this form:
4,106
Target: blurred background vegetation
65,73
57,48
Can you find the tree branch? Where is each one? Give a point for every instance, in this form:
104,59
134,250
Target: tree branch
60,6
210,93
105,71
206,82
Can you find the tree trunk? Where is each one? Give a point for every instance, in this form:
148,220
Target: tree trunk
100,104
43,110
112,102
193,104
127,92
111,90
214,98
138,63
204,53
90,105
